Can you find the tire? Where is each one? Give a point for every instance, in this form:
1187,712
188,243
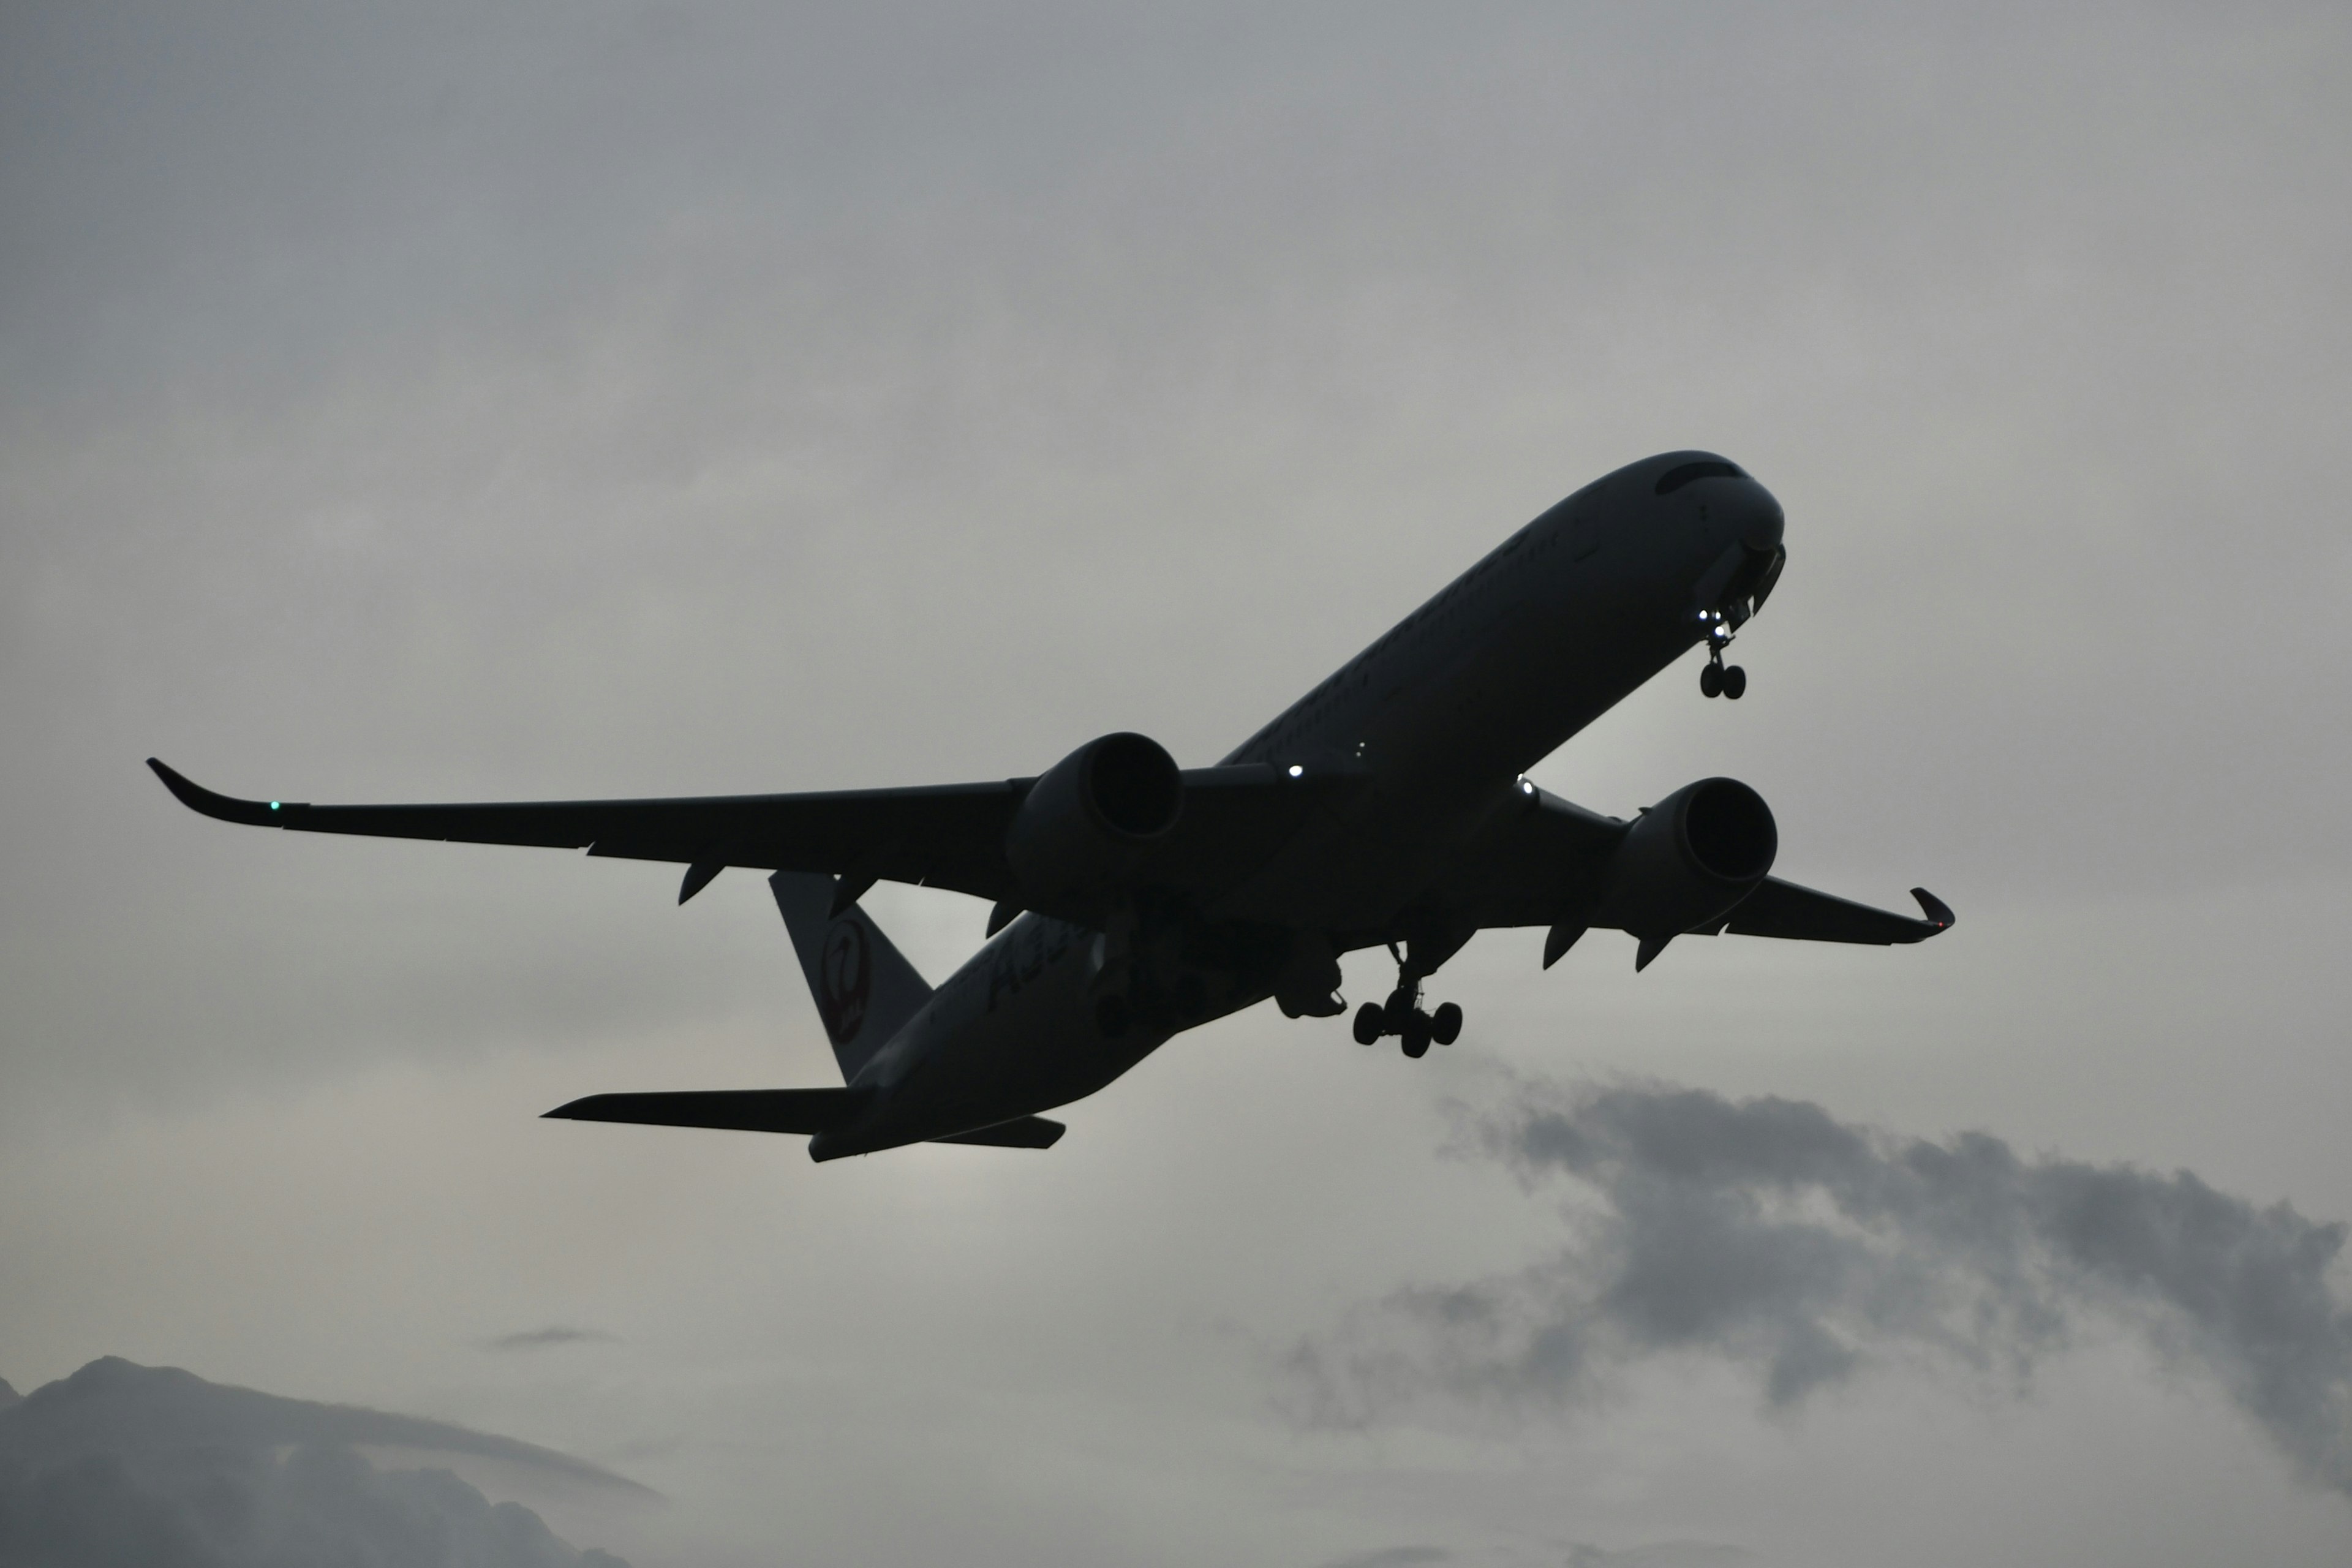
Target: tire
1710,680
1735,682
1416,1036
1370,1021
1446,1023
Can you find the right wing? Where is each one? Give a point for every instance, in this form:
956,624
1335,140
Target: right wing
939,836
945,836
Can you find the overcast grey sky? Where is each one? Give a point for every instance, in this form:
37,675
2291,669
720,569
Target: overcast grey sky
598,399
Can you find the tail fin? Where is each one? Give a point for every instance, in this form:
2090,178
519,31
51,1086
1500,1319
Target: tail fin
864,988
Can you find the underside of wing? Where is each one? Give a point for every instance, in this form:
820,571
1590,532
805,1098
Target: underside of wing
938,836
948,835
1543,863
1785,910
1550,863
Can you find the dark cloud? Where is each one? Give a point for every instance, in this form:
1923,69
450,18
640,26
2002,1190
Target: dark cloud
547,1337
7,1396
121,1463
1768,1232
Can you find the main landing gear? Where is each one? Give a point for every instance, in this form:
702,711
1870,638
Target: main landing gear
1401,1015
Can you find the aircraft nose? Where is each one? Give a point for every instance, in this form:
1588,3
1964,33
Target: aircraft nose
1730,506
1759,519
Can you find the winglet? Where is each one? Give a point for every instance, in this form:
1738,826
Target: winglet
1936,909
198,798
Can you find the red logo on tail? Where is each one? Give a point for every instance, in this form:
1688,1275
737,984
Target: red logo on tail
844,975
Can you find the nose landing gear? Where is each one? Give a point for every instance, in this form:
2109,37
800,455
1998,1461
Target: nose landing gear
1719,679
1401,1015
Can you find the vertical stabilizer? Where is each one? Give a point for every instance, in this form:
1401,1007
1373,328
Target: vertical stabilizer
864,988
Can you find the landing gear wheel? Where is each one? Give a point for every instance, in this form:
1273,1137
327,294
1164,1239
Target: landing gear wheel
1403,1005
1735,681
1416,1034
1710,680
1371,1022
1446,1023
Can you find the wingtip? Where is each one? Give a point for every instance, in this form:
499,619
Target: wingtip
1938,912
209,802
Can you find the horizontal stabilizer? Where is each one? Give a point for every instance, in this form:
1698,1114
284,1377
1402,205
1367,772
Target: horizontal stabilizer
1025,1132
737,1109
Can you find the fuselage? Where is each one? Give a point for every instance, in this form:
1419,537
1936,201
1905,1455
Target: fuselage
1433,723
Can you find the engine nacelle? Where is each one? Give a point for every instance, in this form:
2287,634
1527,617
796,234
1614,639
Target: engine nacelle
1090,817
1689,860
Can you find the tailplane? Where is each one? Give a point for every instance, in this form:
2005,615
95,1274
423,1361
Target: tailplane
739,1109
864,988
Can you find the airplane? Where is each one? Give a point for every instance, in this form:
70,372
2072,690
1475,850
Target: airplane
1134,899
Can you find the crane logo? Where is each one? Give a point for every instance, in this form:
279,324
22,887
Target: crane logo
844,975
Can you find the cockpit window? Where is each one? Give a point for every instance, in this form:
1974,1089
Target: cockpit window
1681,474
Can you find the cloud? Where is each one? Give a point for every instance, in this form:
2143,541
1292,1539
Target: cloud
546,1338
1661,1554
1767,1232
1394,1557
127,1464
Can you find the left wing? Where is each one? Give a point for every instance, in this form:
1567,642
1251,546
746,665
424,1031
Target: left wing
1547,863
1785,910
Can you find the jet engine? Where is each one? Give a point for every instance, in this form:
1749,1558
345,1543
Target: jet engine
1090,817
1689,860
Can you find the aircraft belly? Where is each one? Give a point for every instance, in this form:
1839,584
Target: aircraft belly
1011,1034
